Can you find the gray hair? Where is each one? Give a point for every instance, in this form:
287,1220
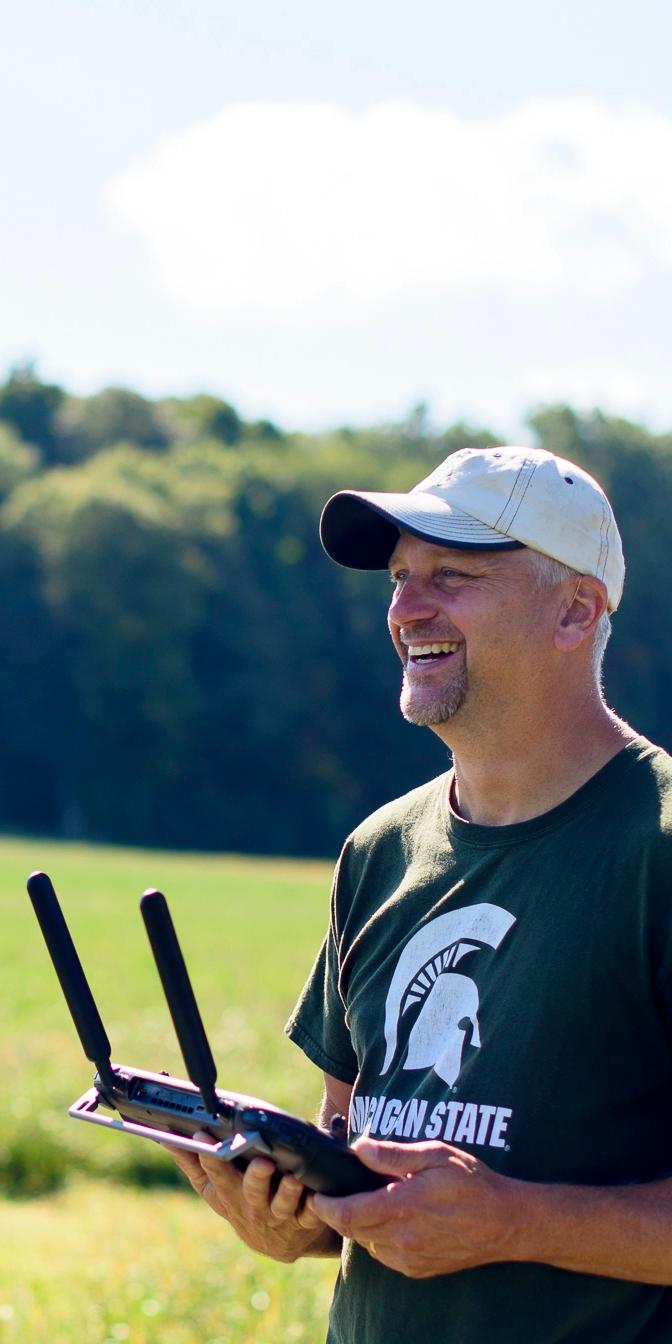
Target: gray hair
547,573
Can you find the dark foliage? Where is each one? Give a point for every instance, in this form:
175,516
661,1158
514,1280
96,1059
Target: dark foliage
183,666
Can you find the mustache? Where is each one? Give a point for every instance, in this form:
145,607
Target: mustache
428,634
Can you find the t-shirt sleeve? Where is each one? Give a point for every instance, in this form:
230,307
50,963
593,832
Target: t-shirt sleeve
318,1024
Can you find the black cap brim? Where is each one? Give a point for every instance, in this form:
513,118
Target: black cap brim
361,532
356,533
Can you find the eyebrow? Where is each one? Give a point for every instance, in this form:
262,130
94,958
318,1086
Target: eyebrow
454,558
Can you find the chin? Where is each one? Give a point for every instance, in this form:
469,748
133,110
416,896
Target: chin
426,719
429,709
429,715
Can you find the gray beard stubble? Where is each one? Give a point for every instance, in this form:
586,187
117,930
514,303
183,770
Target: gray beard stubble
445,705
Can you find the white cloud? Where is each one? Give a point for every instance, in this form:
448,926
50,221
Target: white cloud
298,208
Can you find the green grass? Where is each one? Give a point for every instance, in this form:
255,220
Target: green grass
87,1252
101,1264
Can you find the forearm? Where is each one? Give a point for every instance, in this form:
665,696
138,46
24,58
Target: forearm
621,1232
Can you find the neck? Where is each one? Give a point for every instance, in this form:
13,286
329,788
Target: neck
503,778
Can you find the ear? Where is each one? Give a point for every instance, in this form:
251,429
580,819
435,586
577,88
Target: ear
584,603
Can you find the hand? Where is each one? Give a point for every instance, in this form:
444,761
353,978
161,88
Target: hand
444,1211
275,1222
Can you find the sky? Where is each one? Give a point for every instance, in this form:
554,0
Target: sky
329,214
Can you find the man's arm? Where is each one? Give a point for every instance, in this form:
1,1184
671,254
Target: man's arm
275,1222
450,1212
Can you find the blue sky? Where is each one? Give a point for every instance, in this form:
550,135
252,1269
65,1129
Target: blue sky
327,214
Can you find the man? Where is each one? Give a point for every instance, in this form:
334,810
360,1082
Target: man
493,1002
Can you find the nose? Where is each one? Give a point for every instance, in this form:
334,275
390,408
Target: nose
413,600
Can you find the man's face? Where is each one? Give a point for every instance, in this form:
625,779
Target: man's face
470,628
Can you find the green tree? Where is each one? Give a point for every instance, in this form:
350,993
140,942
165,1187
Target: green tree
182,663
635,468
30,407
202,417
121,597
18,460
115,415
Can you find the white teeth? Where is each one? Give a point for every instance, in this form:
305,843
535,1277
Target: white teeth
422,650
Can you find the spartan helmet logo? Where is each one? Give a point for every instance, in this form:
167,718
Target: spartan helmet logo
448,1000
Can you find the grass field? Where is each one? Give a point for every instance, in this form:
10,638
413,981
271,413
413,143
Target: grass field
100,1240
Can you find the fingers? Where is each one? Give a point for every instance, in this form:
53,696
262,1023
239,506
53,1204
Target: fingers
360,1217
222,1175
183,1156
371,1227
257,1180
190,1167
356,1216
287,1199
254,1189
187,1162
289,1202
400,1159
307,1217
286,1202
209,1176
262,1200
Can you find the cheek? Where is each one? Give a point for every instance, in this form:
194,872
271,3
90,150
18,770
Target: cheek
394,636
513,650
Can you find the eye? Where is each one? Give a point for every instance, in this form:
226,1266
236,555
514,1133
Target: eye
397,576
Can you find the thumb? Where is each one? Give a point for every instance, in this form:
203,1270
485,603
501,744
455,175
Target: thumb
400,1159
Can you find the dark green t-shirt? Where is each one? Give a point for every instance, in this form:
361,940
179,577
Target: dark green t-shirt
507,989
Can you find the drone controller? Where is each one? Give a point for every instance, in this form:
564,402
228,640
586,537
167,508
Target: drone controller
171,1110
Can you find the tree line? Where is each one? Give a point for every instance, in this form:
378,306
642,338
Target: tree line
183,666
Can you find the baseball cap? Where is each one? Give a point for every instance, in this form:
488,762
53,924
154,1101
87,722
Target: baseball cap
485,499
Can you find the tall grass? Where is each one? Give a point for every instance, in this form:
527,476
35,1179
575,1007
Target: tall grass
88,1253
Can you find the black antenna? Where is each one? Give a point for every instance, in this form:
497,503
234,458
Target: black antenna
74,983
180,996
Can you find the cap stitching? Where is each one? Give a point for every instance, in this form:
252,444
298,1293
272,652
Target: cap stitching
452,523
521,486
498,521
458,543
604,541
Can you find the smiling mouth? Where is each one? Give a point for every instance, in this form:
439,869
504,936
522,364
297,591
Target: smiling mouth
431,653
